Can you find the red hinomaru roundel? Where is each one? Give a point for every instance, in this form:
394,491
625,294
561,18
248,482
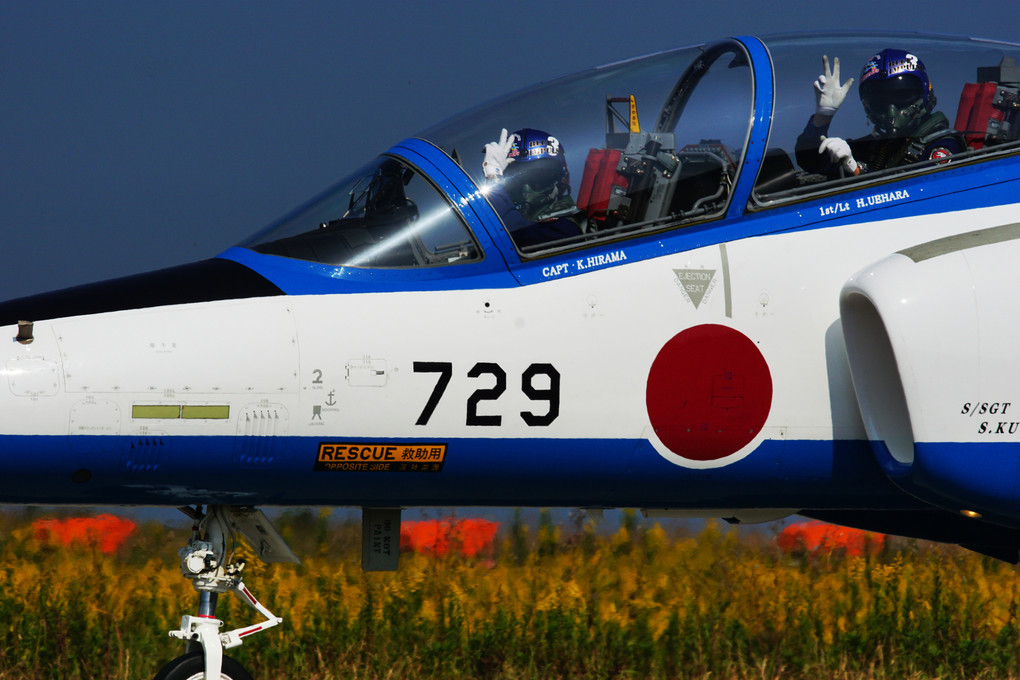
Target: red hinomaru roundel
709,392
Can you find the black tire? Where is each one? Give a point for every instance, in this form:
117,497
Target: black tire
192,667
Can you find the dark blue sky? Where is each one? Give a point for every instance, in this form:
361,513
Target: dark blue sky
142,135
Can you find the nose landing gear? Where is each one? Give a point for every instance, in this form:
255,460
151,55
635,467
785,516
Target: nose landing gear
206,561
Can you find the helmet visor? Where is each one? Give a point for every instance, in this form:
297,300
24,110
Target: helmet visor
899,91
541,175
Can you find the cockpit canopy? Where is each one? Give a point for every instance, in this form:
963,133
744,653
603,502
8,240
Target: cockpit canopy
678,139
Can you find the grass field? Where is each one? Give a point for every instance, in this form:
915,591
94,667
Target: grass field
543,602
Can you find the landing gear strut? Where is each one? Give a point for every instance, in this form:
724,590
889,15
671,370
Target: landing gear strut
205,560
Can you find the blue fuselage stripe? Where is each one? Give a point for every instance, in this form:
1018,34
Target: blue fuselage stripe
541,472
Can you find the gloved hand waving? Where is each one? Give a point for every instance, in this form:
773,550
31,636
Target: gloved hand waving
496,160
829,94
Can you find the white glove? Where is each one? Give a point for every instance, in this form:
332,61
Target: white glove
829,94
839,152
496,160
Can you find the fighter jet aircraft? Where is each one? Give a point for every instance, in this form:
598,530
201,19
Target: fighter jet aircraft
706,282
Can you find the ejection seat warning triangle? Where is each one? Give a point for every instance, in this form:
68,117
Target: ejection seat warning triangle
380,539
695,283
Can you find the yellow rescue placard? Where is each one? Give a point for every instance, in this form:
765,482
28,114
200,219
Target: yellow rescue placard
373,457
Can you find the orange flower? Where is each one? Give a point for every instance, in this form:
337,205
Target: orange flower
105,532
819,537
467,536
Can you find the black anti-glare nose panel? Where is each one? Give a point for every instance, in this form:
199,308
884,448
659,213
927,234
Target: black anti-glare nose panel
203,281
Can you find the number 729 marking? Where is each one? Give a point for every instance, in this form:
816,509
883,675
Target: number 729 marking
550,394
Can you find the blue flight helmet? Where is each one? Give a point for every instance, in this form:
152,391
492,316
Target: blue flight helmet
896,92
536,178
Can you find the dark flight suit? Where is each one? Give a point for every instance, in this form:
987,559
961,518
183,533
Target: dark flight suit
933,139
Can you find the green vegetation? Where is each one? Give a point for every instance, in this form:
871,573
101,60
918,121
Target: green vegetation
559,602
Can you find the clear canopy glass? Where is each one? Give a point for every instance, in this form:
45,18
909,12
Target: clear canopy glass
385,215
